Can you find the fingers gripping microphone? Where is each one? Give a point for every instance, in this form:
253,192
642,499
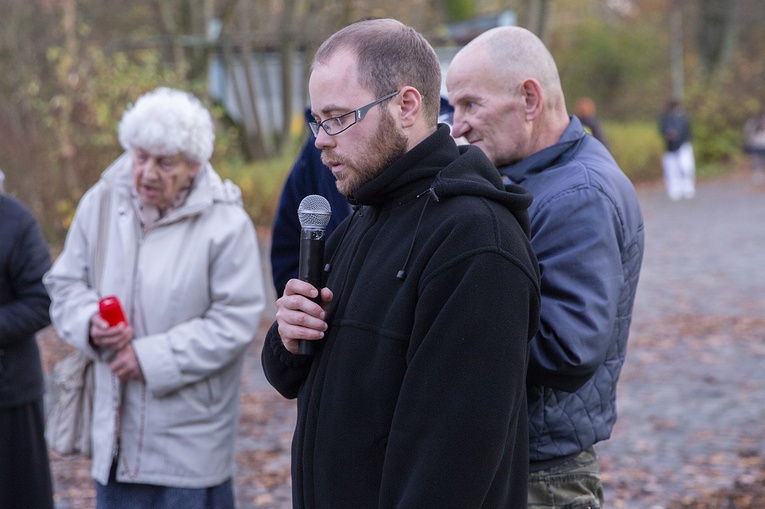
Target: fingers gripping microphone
314,213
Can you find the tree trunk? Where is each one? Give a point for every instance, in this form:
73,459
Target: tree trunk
536,14
716,35
65,146
676,50
170,27
286,58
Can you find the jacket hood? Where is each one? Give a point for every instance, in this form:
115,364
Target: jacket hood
441,169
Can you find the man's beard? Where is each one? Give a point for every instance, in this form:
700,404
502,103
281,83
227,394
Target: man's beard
386,146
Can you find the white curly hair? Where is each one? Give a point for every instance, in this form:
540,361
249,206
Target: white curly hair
167,121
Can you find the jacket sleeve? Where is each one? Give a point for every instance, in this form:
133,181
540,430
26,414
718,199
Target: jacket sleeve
461,417
284,370
73,300
576,238
28,259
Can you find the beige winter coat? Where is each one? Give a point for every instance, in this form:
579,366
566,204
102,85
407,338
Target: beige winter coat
192,288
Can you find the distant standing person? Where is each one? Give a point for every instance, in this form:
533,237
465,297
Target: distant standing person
678,162
587,232
25,479
754,134
585,110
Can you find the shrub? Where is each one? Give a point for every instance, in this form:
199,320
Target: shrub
637,148
613,64
260,181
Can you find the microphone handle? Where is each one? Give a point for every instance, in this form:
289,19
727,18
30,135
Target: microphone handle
310,270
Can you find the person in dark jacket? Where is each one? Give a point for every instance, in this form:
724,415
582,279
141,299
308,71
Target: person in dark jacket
309,176
415,396
587,233
25,479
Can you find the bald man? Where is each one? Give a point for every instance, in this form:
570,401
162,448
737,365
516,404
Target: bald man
587,232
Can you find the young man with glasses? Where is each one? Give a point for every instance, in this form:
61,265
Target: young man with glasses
415,396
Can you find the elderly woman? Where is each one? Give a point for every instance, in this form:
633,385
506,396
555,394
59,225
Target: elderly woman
162,232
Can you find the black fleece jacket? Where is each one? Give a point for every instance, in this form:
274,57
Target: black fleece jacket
416,396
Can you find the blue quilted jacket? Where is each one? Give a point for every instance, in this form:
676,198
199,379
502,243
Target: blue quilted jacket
587,232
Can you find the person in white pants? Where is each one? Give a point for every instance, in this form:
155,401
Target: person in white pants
680,172
678,162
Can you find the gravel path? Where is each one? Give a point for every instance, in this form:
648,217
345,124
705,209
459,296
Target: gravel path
691,398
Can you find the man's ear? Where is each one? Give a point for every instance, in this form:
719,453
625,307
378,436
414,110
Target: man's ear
410,102
532,98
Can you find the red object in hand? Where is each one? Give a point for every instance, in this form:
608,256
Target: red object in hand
111,311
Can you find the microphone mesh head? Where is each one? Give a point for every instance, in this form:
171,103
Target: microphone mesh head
314,212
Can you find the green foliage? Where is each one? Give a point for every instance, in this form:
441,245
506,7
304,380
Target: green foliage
716,119
709,170
65,94
624,68
459,10
615,65
637,148
715,140
261,182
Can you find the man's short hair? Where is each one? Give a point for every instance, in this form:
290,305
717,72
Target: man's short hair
389,55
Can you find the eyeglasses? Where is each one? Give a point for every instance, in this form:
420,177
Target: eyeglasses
335,125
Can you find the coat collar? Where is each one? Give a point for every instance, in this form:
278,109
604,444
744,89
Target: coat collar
553,155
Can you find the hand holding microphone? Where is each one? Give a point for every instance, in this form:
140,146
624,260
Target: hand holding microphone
314,213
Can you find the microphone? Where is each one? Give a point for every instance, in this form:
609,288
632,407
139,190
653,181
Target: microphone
314,213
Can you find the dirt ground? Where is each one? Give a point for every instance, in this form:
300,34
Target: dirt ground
691,400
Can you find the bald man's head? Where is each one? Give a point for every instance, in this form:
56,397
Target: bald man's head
507,96
518,54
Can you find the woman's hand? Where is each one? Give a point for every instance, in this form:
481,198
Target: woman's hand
116,341
298,316
104,337
125,365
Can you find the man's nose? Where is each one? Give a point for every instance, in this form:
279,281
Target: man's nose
459,126
324,140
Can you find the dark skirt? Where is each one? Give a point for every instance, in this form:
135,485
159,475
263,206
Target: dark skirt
120,495
25,480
